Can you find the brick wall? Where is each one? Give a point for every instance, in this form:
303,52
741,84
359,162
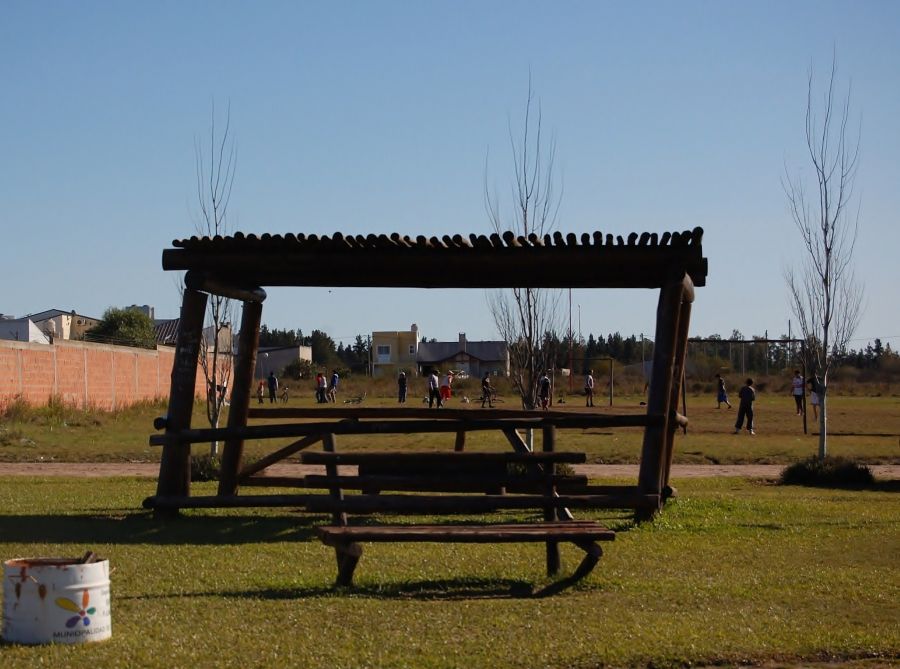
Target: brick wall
85,374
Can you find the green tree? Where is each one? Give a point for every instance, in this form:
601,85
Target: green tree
126,327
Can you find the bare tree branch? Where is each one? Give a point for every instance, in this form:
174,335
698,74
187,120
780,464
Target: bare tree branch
824,293
524,315
214,187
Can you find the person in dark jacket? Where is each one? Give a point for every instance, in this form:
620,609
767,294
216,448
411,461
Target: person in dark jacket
747,396
401,387
273,387
487,393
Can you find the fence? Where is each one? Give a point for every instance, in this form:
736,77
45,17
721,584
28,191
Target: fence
85,374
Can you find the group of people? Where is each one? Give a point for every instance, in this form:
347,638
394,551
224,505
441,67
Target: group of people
439,388
324,392
747,395
271,383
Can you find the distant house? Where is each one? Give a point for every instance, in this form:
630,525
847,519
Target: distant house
470,357
21,329
166,330
276,358
61,324
394,351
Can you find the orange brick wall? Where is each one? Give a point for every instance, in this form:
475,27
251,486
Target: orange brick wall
85,374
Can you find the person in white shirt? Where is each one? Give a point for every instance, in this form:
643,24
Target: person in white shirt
798,386
434,392
589,388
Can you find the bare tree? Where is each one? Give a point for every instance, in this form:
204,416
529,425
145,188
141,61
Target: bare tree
215,178
524,315
825,295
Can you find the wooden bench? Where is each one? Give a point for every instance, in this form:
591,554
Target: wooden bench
584,534
496,477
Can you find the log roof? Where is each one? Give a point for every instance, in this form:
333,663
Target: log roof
638,260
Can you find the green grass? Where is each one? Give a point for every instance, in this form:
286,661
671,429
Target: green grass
734,571
866,429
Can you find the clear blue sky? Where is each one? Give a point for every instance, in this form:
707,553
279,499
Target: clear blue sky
377,117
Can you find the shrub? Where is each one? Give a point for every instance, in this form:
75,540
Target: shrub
205,468
16,409
833,472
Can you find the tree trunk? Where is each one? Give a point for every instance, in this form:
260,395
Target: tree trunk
823,421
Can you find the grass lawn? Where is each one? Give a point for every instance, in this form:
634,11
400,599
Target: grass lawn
734,571
863,428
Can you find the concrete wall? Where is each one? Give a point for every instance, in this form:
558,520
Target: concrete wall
85,374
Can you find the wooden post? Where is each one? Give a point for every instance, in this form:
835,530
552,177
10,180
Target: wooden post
460,444
659,398
331,470
241,393
175,463
678,386
550,514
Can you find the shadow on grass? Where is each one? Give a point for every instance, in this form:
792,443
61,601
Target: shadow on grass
425,590
141,528
882,485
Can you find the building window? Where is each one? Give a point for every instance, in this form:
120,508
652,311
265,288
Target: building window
412,349
383,353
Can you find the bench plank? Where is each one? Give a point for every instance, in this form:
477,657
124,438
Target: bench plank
411,426
583,534
511,533
407,458
468,504
525,484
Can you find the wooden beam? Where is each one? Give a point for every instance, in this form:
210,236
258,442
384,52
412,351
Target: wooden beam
399,427
471,504
658,400
338,517
515,440
449,458
277,456
206,284
531,484
337,412
241,392
404,504
550,514
175,464
684,322
399,266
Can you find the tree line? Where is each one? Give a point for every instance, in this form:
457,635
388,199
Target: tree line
706,354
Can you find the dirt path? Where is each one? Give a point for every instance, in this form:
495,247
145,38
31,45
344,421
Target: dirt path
151,470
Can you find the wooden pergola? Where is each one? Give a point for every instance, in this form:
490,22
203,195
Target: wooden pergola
241,266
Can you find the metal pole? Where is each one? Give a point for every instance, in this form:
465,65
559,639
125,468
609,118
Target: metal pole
610,382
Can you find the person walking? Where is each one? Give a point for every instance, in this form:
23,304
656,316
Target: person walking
589,388
273,387
445,386
332,390
544,391
815,395
321,388
721,395
434,392
797,389
747,396
401,388
487,393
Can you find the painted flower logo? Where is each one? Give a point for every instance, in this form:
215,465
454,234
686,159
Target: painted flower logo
82,612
